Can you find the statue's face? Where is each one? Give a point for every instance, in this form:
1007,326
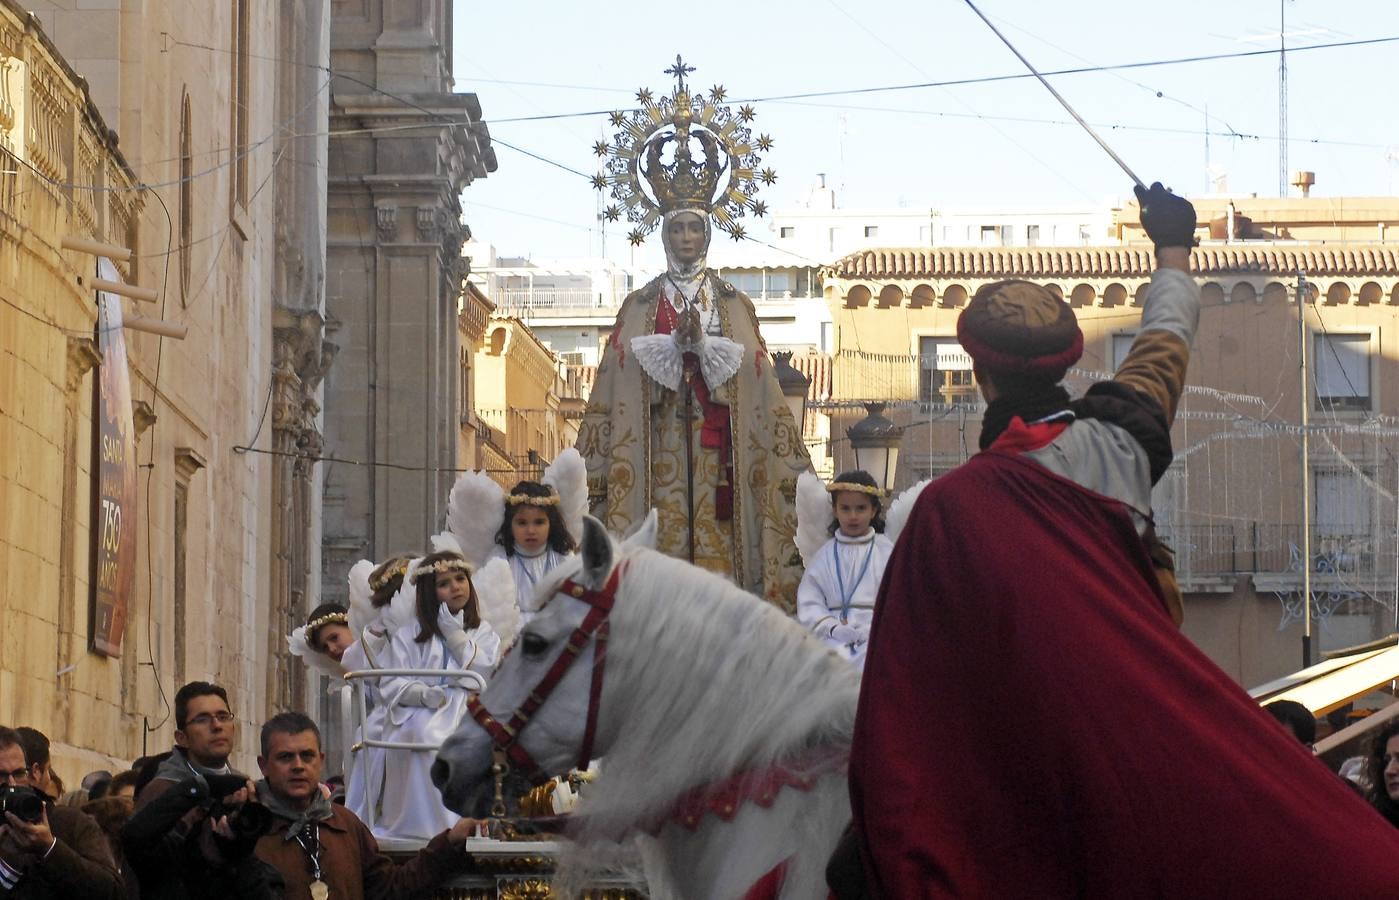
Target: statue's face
685,234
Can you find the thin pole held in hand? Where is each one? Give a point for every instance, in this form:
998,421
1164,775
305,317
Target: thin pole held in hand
1062,102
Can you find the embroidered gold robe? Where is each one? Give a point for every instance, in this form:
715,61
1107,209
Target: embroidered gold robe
633,439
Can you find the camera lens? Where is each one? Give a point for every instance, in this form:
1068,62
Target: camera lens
23,803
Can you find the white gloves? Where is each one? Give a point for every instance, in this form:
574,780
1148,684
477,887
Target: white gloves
423,695
454,635
849,634
376,641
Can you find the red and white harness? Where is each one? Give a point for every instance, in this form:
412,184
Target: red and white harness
505,736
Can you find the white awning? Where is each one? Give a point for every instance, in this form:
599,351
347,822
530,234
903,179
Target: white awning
1364,674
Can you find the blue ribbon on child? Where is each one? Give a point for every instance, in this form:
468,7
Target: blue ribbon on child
845,596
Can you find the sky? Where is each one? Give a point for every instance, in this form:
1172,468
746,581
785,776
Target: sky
1001,145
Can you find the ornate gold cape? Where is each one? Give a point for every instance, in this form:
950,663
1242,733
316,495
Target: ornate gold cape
632,438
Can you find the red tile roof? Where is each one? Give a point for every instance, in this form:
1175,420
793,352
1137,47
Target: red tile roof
1123,262
817,367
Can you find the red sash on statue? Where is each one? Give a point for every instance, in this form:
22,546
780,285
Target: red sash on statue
716,432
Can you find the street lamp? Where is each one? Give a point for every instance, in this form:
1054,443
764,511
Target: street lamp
876,440
794,385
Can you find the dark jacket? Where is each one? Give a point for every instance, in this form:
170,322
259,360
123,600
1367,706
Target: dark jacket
352,866
79,867
174,855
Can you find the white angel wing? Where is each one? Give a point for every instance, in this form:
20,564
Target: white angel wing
495,588
402,610
362,611
475,511
813,516
898,510
568,475
316,661
445,542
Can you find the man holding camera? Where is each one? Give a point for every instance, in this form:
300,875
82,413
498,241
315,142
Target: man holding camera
46,850
322,849
194,828
205,731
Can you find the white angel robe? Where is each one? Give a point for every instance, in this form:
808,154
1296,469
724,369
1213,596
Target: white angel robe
840,586
529,570
409,807
364,778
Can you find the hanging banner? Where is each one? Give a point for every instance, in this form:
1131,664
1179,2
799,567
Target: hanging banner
113,524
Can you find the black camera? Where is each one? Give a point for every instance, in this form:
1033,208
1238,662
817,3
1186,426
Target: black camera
24,803
248,820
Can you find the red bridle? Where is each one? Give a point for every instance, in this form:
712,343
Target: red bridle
506,736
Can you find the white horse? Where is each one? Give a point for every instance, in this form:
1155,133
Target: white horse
723,726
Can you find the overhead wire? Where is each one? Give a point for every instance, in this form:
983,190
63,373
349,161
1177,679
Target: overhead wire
447,120
1057,173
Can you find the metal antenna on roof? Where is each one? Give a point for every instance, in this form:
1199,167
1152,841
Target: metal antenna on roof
1062,102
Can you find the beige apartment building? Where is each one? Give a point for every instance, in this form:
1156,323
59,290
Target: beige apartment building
174,135
527,405
1232,502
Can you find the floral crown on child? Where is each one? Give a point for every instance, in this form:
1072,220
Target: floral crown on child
531,500
443,565
389,574
835,487
335,618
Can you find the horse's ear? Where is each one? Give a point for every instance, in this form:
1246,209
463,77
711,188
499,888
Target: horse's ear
597,552
645,534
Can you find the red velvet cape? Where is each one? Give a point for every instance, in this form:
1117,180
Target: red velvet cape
1031,723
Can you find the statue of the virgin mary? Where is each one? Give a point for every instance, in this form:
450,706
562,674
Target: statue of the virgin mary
686,415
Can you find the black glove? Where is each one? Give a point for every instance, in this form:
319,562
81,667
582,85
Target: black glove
1169,220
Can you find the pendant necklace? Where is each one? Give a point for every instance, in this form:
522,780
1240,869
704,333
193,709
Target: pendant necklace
319,889
847,596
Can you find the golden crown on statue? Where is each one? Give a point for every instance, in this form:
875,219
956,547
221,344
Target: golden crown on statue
713,167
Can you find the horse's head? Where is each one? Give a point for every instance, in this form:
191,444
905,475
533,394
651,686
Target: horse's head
541,706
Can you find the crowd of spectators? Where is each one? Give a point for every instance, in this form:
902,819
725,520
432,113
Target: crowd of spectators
186,824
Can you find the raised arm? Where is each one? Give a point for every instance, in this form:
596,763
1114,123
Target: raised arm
1156,364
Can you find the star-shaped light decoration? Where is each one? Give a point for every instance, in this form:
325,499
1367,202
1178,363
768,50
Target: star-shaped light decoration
764,142
738,233
612,213
747,113
617,118
768,176
600,148
643,95
599,181
717,93
760,208
636,236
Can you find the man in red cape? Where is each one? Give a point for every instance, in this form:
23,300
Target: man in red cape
1031,721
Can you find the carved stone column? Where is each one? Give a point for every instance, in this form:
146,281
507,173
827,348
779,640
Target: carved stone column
300,353
300,358
395,270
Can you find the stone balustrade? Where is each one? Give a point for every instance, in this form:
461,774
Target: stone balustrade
60,170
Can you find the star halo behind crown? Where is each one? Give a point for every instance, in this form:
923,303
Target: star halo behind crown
720,180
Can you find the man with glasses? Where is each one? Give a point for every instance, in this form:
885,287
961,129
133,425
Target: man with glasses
205,731
171,842
62,854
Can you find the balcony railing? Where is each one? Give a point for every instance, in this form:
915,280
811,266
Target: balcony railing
552,298
1202,550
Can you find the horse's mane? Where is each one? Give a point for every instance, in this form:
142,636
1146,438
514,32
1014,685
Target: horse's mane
712,681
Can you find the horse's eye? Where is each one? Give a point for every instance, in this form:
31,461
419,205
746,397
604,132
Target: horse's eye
533,644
